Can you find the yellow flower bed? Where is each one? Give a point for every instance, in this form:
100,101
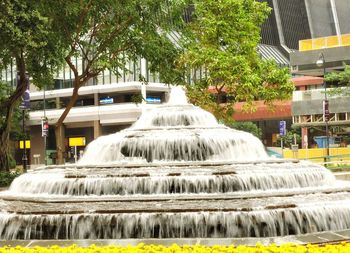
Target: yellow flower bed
142,248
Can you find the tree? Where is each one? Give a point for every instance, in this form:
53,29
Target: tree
107,34
224,46
247,126
23,40
14,131
342,81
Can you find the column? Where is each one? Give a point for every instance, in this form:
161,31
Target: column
304,137
97,129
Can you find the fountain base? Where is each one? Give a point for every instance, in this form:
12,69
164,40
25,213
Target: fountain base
194,211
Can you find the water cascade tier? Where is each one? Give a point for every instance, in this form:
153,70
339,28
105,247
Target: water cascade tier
176,173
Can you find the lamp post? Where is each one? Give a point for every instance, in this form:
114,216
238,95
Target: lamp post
45,132
322,63
24,157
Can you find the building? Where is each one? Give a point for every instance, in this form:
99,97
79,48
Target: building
100,110
295,34
326,50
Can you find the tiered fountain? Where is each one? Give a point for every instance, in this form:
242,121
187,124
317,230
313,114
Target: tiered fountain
175,173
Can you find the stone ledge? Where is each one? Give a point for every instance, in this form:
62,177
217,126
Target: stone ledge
329,237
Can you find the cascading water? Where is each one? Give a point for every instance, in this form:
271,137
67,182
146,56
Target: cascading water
175,173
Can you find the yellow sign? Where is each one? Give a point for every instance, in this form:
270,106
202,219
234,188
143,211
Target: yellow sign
21,146
76,141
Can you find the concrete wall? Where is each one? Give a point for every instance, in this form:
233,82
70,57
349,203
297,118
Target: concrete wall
305,61
320,18
37,144
343,11
309,107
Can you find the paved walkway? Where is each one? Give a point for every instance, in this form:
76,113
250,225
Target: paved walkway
315,238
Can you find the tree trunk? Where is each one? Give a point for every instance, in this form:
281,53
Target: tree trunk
5,156
59,129
60,144
6,109
78,82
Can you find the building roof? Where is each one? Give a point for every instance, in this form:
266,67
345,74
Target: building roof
307,80
281,109
269,52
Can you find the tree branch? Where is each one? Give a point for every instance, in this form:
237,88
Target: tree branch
72,66
112,35
82,17
20,89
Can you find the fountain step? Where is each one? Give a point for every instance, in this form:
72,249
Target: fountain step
180,169
319,238
174,205
173,179
159,164
45,198
266,217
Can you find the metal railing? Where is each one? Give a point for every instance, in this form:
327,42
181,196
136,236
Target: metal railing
337,161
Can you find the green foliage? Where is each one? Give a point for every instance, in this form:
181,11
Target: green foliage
224,42
288,139
25,34
16,119
5,91
108,34
6,178
26,41
249,127
342,80
137,98
15,131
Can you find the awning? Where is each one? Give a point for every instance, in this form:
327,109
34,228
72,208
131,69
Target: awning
268,52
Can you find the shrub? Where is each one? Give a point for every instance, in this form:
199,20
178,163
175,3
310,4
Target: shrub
6,178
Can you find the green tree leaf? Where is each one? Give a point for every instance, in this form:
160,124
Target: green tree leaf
224,43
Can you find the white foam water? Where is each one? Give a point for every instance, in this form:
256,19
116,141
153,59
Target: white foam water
175,173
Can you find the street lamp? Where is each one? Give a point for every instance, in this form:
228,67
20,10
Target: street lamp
322,63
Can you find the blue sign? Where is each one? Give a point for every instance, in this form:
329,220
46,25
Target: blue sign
153,100
25,104
282,127
107,100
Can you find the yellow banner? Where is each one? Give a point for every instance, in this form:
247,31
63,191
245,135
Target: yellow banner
76,141
21,146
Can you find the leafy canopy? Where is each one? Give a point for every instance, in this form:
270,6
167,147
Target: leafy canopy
224,44
107,34
247,126
26,44
25,36
342,80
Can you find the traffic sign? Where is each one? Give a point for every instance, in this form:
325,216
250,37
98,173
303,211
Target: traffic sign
282,127
44,128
